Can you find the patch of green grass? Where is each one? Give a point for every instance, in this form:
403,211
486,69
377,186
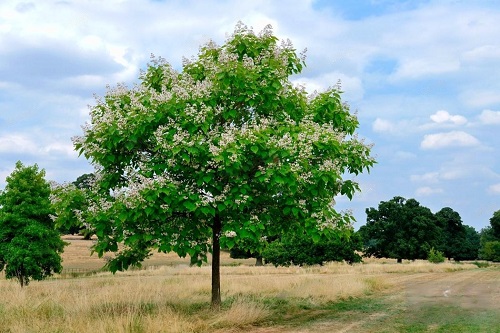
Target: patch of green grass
442,318
303,312
481,264
362,305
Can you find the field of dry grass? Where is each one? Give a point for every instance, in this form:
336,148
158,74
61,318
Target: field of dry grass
170,296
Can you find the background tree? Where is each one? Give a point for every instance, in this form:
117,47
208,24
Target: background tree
300,249
495,224
30,247
84,181
246,249
70,202
401,229
490,239
453,233
469,248
224,151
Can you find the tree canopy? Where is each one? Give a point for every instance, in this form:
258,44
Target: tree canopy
403,229
495,224
70,202
299,249
223,151
457,240
30,247
490,239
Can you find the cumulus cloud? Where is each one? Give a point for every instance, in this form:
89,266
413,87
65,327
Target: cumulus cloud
426,191
17,143
490,117
382,126
448,139
442,117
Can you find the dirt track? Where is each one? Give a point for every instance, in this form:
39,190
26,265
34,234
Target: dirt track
468,289
476,290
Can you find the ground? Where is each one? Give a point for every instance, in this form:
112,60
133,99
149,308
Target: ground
170,296
465,301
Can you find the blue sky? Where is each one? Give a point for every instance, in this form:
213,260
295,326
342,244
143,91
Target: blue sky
422,75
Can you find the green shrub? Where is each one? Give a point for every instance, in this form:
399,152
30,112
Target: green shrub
435,256
491,251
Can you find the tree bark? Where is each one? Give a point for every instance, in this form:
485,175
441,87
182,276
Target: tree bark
216,230
258,261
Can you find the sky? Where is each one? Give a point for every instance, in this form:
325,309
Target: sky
423,77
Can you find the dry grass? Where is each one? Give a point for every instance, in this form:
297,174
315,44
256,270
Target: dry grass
173,297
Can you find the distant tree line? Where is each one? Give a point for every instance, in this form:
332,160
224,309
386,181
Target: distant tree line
403,229
399,228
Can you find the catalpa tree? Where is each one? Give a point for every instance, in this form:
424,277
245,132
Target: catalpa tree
225,151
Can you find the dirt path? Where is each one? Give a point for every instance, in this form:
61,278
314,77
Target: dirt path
468,289
473,291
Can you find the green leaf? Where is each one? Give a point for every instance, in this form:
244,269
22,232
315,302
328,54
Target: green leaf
129,145
190,206
186,157
230,243
315,237
254,149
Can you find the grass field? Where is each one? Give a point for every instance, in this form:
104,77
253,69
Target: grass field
170,296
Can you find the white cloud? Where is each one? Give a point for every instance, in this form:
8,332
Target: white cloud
402,127
352,86
481,53
429,177
17,143
443,116
416,68
490,117
426,191
61,149
495,188
382,125
480,97
448,139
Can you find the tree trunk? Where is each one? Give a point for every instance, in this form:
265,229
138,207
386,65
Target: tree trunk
258,261
400,261
216,230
